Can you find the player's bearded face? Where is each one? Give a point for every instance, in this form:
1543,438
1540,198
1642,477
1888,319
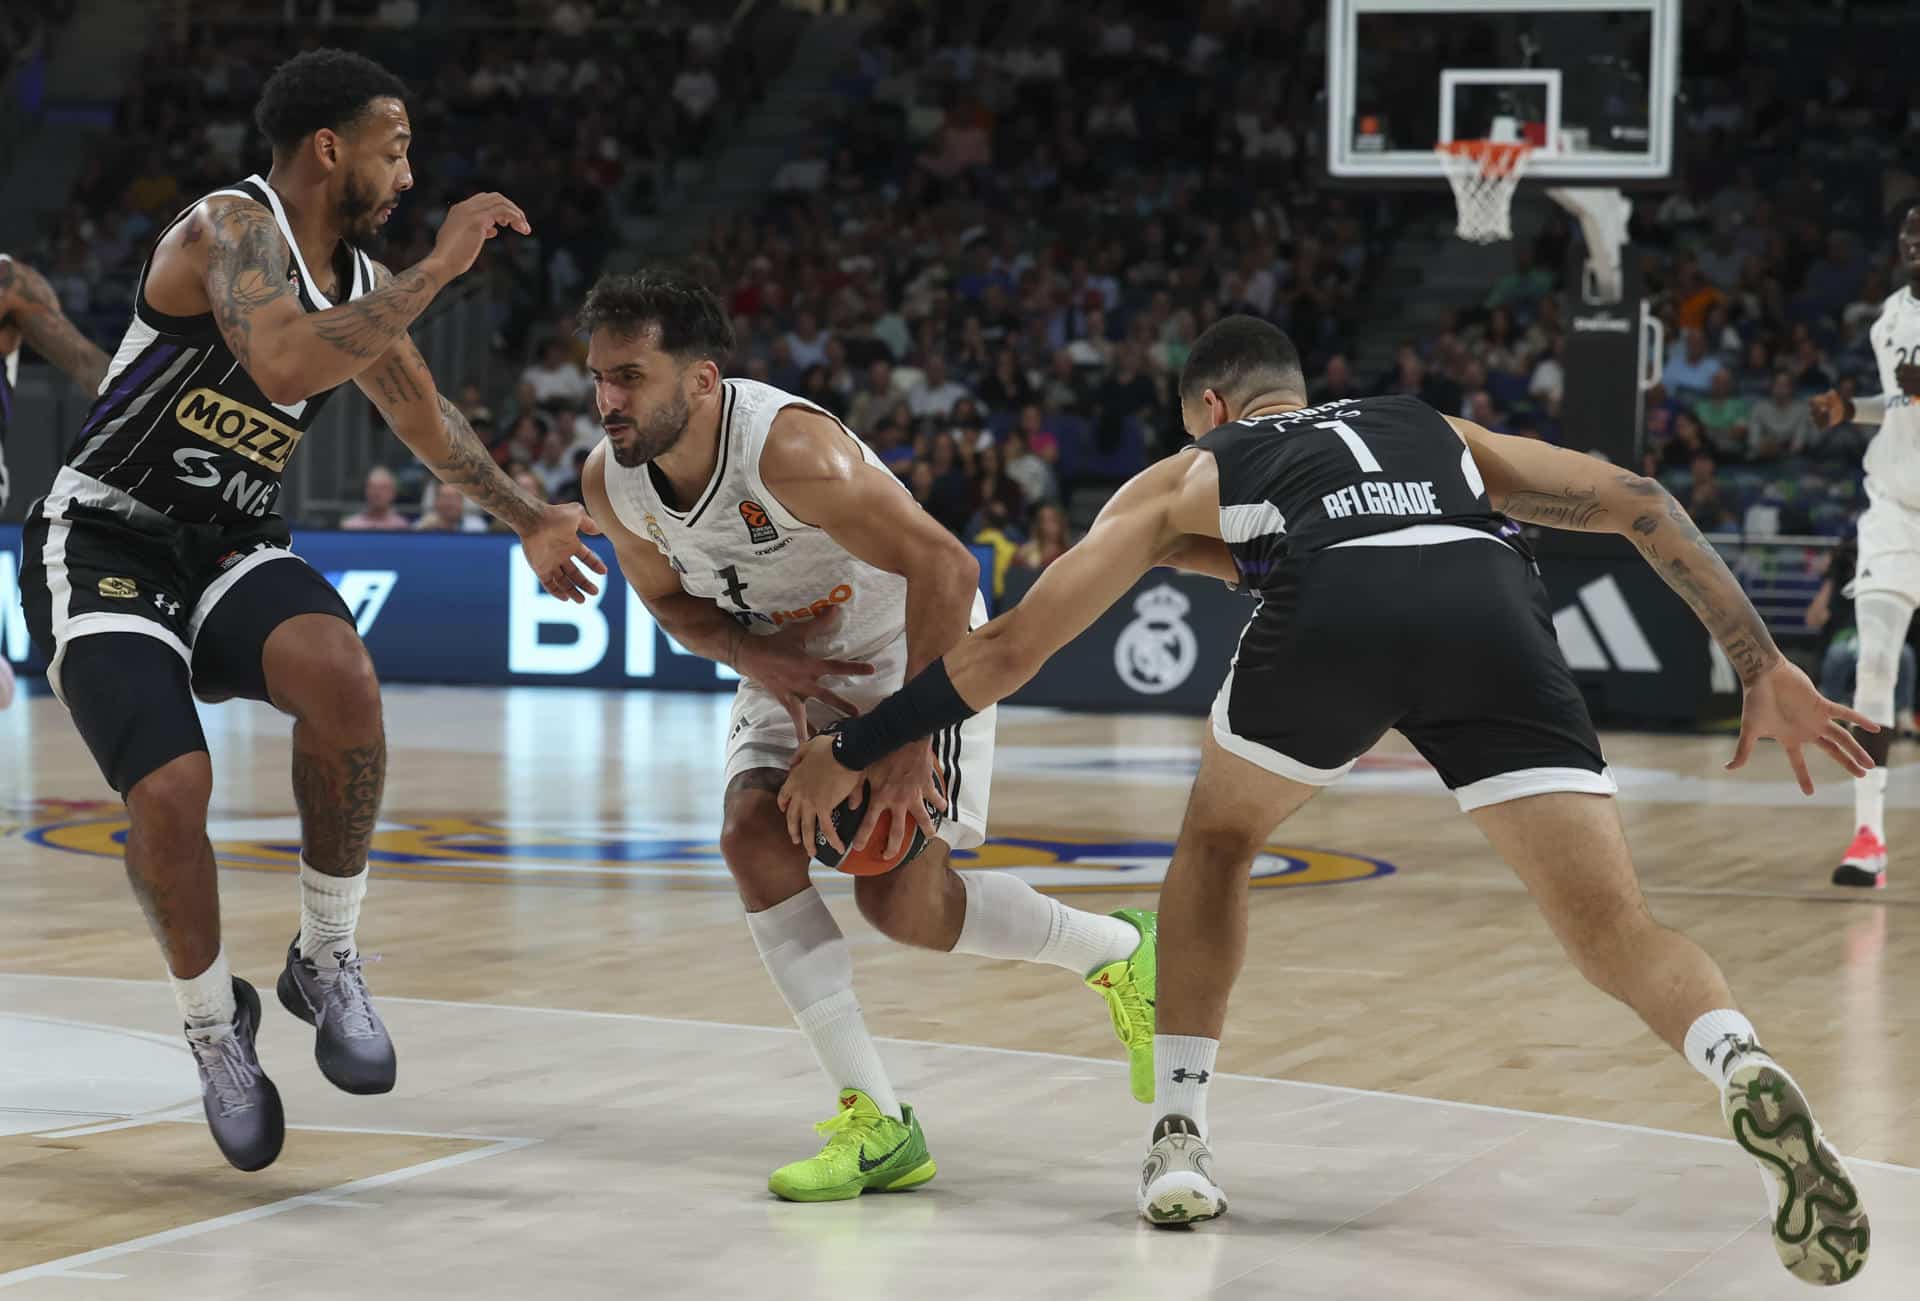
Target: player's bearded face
639,435
361,206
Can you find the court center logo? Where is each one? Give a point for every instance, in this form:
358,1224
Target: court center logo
484,851
1157,651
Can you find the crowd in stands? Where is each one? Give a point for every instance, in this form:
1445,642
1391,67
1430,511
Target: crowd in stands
1766,265
990,251
568,114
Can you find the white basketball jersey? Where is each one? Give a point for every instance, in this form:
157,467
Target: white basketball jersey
737,546
1893,457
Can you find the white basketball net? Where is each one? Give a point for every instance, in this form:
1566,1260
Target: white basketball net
1484,175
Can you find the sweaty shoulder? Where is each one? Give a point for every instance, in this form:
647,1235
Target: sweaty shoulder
804,446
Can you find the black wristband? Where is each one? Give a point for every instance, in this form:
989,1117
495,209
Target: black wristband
926,705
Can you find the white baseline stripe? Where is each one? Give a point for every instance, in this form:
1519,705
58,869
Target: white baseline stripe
645,1018
67,1264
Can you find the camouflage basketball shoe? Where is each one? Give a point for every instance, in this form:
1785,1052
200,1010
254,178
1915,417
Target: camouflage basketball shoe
1129,986
1176,1181
867,1151
1820,1228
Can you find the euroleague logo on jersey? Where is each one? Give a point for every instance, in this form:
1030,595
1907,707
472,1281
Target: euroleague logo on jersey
759,528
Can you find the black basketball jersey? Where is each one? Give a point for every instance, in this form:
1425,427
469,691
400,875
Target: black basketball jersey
1297,482
179,427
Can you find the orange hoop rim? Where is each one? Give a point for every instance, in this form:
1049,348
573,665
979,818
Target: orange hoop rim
1496,157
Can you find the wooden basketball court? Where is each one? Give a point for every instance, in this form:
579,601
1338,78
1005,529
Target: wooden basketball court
596,1075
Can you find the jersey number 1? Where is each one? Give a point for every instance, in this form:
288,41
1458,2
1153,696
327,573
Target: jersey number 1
1370,464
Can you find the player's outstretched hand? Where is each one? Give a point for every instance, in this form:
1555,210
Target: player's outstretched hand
791,673
1829,409
553,545
470,224
902,785
816,784
1782,705
1907,376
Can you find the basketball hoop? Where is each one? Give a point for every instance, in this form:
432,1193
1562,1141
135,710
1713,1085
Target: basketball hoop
1484,175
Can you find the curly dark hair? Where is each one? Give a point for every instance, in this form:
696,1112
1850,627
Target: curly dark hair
689,317
1239,357
320,88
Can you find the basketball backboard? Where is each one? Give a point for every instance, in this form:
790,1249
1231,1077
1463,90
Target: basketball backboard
1589,83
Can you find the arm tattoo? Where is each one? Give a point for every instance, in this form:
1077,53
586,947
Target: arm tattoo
1688,564
468,466
368,325
247,270
1570,508
46,328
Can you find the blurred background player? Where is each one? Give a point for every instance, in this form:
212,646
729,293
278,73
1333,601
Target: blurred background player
1886,585
762,533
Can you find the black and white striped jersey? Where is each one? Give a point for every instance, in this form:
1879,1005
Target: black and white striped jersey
179,429
1298,482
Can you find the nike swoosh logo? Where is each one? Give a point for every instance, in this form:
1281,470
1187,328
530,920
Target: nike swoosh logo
868,1167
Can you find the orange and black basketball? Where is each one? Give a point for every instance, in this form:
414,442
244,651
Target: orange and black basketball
870,861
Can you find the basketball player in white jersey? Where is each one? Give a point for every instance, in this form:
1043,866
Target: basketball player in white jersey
763,534
30,314
1886,584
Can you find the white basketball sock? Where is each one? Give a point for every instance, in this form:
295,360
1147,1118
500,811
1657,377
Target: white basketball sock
807,957
1706,1042
329,912
206,1001
1870,803
1007,918
1184,1064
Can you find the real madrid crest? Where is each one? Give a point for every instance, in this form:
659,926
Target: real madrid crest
1156,652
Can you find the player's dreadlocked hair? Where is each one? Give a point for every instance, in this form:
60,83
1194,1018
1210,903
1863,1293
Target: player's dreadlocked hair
690,319
320,88
1239,357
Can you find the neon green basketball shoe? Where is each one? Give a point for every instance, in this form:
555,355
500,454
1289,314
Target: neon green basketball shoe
867,1151
1129,986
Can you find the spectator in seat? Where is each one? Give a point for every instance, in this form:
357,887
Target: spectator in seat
1691,366
1724,414
553,468
1780,424
1707,504
1049,540
936,392
1028,469
557,379
1335,382
448,514
875,399
378,512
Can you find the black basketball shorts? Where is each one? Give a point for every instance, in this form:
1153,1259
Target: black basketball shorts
1448,639
92,570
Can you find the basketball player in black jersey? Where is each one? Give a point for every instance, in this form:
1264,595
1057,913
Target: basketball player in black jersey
1395,594
30,314
156,570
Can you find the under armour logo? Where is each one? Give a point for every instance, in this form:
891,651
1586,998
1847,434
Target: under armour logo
166,607
1733,1045
1181,1075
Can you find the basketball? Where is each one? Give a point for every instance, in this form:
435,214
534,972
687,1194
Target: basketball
870,861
